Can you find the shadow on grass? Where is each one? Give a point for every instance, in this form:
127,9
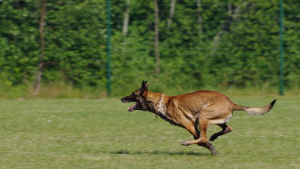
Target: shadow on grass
159,153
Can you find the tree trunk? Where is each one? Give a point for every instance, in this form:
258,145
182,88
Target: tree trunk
125,27
200,30
126,18
42,24
171,13
156,37
225,27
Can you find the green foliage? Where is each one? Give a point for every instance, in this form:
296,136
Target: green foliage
236,44
75,42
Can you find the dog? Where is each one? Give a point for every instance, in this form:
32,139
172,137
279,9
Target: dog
192,111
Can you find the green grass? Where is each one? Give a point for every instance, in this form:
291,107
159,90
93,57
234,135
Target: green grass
83,133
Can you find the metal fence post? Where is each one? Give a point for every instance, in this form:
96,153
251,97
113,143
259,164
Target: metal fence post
108,49
281,46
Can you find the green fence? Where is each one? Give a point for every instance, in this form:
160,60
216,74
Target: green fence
206,44
178,44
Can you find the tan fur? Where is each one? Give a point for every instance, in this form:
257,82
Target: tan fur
200,108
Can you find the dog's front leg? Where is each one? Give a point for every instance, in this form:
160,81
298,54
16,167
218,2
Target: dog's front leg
200,139
192,128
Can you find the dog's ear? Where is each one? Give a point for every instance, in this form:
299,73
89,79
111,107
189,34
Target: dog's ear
144,88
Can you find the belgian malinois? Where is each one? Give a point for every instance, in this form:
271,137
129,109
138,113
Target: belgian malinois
192,110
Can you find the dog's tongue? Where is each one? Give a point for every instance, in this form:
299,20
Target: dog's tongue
131,108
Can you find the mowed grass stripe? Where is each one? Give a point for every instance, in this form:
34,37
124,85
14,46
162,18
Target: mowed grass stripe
75,133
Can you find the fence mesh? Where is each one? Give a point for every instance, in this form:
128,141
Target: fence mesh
179,43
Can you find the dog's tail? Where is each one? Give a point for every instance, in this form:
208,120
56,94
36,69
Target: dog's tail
255,111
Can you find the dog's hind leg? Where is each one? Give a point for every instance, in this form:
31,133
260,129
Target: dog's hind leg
209,146
225,129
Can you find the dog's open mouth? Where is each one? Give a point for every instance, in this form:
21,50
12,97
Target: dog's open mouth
134,107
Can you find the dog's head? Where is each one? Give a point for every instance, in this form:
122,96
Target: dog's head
139,97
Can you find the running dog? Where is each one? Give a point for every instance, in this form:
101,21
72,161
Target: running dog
192,110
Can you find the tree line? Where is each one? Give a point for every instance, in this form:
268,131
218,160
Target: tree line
178,43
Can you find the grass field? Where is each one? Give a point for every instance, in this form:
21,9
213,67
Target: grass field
82,133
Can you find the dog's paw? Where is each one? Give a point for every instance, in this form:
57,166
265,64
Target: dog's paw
212,148
184,143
